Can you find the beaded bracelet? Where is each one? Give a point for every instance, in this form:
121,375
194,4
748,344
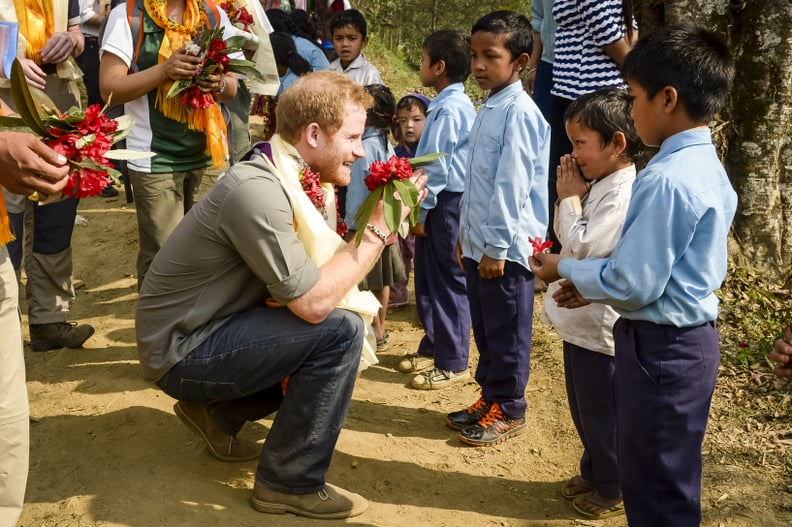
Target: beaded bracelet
222,87
381,235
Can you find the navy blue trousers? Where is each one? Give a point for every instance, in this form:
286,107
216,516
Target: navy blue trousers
665,377
501,313
440,290
591,392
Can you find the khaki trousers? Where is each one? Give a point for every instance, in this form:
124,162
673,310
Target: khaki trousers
14,411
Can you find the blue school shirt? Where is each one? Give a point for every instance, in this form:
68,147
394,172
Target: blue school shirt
672,253
505,200
287,80
449,118
377,148
311,53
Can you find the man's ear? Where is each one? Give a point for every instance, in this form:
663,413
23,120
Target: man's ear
670,98
311,135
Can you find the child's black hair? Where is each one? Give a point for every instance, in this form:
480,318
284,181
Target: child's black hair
606,112
380,116
452,47
691,59
281,21
517,28
285,53
408,102
349,17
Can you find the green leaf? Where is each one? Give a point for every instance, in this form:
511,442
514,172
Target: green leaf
364,213
248,71
428,159
124,154
392,207
23,100
85,140
408,192
178,86
13,124
235,43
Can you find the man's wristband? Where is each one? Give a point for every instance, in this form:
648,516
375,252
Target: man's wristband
381,235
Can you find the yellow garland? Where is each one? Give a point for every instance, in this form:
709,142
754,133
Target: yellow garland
209,120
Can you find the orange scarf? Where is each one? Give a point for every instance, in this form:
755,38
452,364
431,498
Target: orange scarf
36,23
209,120
5,224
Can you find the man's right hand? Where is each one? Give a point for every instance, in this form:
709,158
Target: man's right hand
27,165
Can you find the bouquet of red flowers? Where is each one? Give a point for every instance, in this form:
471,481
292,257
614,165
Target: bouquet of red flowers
539,245
214,52
238,15
390,180
83,137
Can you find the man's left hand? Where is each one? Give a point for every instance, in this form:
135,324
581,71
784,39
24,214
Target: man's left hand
58,48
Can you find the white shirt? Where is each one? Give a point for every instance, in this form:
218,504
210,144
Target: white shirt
590,228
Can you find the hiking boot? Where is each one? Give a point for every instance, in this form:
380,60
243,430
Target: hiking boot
415,362
330,503
45,337
222,445
469,416
436,379
493,428
109,191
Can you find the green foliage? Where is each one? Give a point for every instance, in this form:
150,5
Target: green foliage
753,314
402,26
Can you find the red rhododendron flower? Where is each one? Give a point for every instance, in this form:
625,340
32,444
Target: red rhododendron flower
195,98
312,187
381,173
540,245
244,18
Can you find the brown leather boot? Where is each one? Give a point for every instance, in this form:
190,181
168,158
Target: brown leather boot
222,445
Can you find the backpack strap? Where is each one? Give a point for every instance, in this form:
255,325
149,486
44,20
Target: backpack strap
212,13
135,20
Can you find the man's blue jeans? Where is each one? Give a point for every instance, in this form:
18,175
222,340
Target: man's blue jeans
238,372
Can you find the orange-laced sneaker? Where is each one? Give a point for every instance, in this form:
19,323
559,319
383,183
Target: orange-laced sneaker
469,416
493,428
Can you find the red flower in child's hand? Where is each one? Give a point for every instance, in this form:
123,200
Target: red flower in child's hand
394,168
540,245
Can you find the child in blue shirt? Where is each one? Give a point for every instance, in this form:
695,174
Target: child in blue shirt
389,268
661,278
350,36
505,204
440,293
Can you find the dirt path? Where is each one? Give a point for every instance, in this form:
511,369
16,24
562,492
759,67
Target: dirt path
107,449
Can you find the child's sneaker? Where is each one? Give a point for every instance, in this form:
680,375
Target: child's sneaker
436,379
469,416
415,362
493,428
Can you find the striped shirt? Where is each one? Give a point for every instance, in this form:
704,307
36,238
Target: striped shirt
584,28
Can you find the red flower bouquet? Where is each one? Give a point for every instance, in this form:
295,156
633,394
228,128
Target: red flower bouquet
390,180
84,138
238,15
214,52
539,245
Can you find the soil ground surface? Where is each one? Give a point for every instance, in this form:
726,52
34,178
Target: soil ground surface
107,449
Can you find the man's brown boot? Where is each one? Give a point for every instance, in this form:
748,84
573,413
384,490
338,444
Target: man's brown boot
222,445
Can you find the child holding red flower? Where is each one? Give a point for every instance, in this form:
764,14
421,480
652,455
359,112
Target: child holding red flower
365,178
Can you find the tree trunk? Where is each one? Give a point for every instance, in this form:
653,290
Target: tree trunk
754,129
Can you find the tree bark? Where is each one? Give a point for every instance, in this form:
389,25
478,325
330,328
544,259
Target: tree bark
754,130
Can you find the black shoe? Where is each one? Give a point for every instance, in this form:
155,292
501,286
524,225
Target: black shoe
493,428
109,191
45,337
469,416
